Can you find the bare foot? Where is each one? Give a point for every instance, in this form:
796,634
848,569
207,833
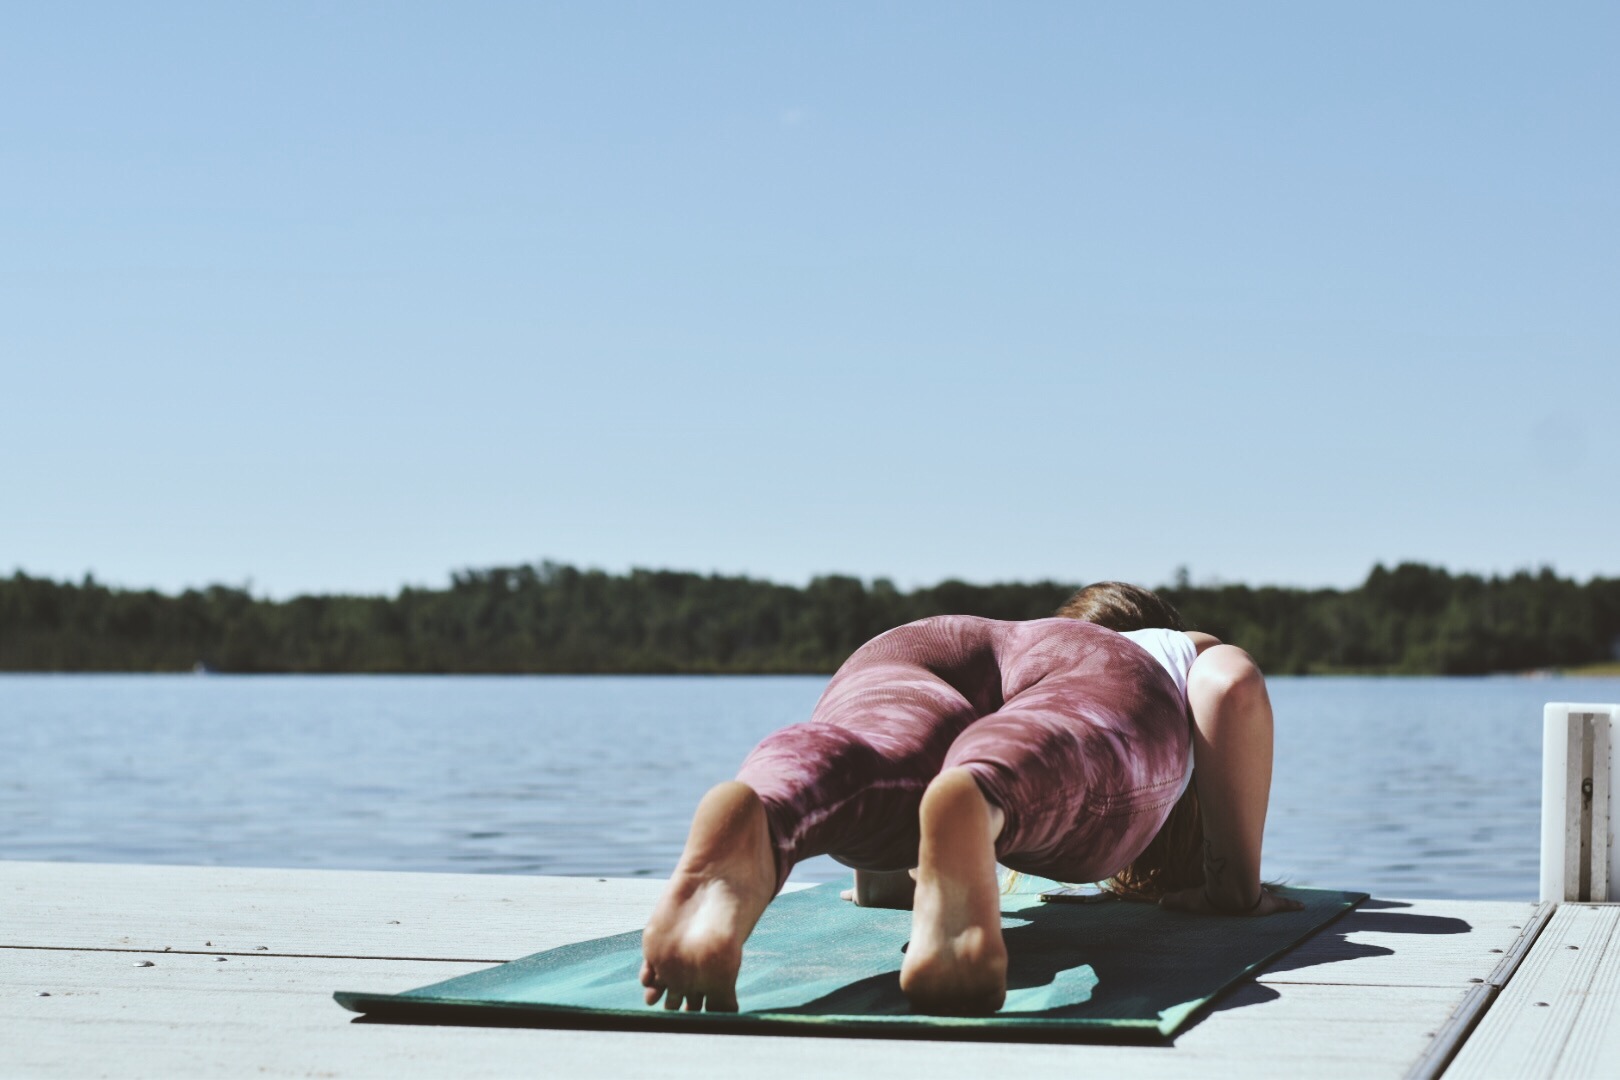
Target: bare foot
956,962
692,946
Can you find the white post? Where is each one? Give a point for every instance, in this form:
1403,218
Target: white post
1578,758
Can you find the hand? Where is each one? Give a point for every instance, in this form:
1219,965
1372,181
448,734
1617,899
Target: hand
878,888
1196,900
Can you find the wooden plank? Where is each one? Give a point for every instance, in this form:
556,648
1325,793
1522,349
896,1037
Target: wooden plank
310,912
1593,1047
1521,946
1449,1040
1598,830
1434,952
1575,816
1409,943
1526,1031
498,917
1315,1030
192,1015
1453,1033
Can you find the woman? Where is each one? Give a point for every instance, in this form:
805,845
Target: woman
1060,747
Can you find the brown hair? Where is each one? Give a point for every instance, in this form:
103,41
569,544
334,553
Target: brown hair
1174,858
1121,606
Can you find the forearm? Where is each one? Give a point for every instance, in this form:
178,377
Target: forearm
1232,744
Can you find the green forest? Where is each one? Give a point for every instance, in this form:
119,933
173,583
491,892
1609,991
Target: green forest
1411,619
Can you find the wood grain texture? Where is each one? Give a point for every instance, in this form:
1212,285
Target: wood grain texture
1408,943
192,1015
1528,1030
1593,1047
1452,1034
310,912
495,918
1363,999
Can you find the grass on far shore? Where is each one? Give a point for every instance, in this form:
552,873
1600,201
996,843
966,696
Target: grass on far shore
1607,667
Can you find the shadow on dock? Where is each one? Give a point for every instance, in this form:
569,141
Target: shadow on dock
1332,943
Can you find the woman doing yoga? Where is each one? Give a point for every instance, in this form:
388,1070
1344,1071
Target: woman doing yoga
1061,747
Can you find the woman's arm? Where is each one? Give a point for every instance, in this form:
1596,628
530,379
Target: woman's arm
1232,733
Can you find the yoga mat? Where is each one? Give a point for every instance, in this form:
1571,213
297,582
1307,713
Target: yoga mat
817,964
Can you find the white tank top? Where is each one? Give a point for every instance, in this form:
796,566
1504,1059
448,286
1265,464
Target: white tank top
1176,652
1172,649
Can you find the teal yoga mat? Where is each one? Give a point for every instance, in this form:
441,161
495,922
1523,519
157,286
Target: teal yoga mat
817,964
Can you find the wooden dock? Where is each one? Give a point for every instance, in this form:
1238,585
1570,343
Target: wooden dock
197,971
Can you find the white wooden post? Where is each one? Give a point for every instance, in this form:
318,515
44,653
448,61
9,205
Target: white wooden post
1579,755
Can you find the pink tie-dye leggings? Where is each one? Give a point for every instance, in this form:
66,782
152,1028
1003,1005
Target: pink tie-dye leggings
1074,731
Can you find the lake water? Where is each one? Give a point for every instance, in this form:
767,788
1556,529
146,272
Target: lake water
1402,787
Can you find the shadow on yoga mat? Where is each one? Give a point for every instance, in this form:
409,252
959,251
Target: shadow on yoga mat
818,965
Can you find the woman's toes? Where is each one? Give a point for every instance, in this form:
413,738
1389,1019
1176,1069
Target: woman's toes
649,979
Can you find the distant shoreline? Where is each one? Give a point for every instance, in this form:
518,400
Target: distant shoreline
1606,669
555,619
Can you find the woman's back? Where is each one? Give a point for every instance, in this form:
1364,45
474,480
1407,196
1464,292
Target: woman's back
990,661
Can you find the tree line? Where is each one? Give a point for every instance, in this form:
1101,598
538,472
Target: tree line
549,617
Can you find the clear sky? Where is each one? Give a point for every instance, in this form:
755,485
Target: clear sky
343,296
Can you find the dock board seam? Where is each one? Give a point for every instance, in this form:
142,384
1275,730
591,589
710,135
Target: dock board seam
1503,971
237,952
1585,988
1261,979
1448,1041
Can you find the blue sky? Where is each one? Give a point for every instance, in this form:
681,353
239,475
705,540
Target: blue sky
345,296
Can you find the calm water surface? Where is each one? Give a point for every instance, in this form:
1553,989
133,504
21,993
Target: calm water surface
1402,787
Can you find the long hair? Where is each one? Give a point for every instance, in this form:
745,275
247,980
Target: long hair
1174,858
